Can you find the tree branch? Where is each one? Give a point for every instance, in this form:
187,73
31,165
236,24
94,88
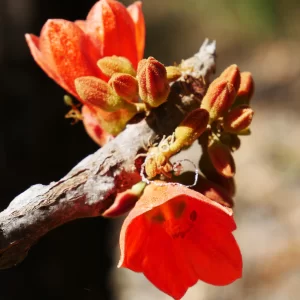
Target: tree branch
90,187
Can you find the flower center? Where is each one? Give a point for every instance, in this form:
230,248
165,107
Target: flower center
175,217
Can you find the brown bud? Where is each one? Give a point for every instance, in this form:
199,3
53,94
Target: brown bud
115,64
246,90
97,92
124,85
233,75
221,158
228,184
219,98
238,119
213,191
173,73
153,83
193,125
125,201
231,140
210,173
209,188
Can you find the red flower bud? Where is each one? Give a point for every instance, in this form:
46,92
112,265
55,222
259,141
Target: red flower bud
115,64
238,119
219,98
221,158
233,75
125,201
153,83
124,85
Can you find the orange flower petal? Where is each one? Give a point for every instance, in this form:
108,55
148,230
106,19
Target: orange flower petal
155,195
33,43
213,254
112,30
80,24
164,266
92,126
151,251
65,47
136,13
137,234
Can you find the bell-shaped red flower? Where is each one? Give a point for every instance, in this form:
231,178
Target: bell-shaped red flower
67,50
177,236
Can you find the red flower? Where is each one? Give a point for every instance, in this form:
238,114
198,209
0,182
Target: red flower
67,50
177,236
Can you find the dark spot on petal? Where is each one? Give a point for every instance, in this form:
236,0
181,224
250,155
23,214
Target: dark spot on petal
158,218
179,209
193,216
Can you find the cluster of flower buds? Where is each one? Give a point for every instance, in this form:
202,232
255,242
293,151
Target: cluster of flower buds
224,114
126,91
227,101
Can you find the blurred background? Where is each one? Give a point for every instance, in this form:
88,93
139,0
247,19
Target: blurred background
37,145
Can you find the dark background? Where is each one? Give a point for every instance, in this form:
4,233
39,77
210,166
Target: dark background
37,145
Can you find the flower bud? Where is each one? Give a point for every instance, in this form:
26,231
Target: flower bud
173,73
115,64
124,85
228,184
232,74
246,90
231,140
193,125
68,100
125,201
238,119
210,173
153,83
114,122
97,92
221,158
213,191
219,98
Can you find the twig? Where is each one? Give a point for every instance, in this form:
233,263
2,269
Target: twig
90,187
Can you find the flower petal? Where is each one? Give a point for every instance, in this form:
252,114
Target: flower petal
145,247
33,43
112,30
80,24
92,126
133,238
213,254
136,13
69,53
163,266
155,195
